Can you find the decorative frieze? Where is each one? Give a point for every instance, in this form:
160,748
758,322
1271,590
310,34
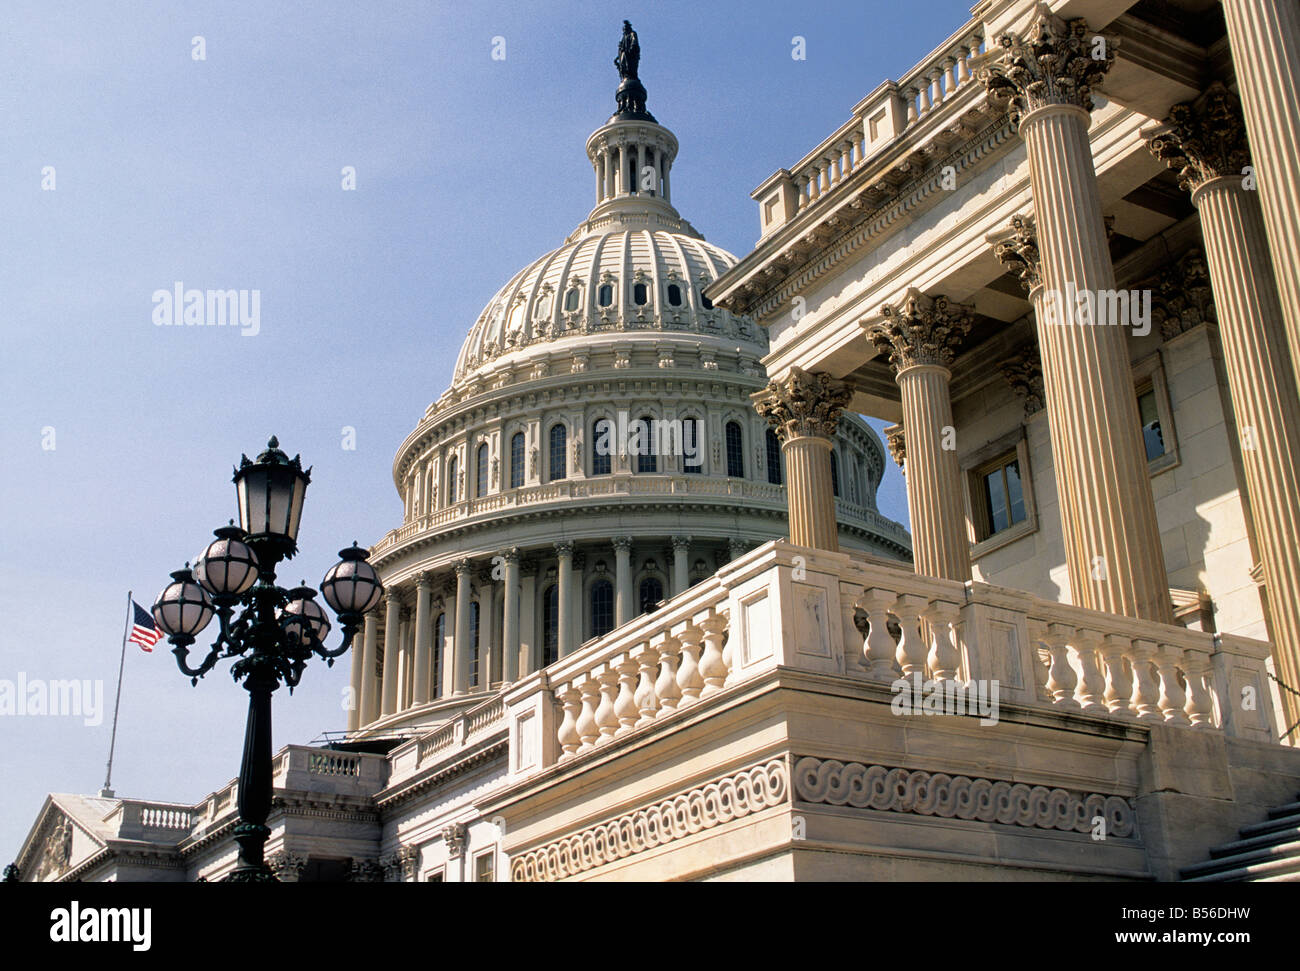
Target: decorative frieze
733,796
802,404
1203,139
887,789
920,330
1058,62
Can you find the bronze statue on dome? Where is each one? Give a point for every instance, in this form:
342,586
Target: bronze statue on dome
631,92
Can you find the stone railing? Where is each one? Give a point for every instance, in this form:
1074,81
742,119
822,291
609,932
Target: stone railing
160,821
460,730
781,606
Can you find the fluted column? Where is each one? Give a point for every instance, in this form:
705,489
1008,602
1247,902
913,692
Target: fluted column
392,649
356,677
1205,142
370,686
487,672
564,552
1114,554
405,659
624,608
920,336
510,618
1265,39
447,662
527,615
804,410
464,645
681,564
423,638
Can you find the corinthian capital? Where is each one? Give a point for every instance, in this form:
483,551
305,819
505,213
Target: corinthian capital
897,443
1203,139
1057,62
802,405
920,330
1016,248
1024,372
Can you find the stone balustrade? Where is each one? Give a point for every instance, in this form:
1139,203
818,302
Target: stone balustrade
159,821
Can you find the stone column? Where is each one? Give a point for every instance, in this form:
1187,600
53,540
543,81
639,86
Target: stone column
356,678
464,639
370,697
920,336
527,616
447,667
565,594
681,564
510,618
804,410
423,637
1115,559
668,195
487,599
1205,141
1265,39
624,605
392,649
404,668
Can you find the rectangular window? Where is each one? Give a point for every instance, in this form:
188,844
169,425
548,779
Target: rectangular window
1153,436
485,867
1003,497
434,877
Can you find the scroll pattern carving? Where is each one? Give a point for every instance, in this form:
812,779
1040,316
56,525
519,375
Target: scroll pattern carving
802,404
958,797
732,797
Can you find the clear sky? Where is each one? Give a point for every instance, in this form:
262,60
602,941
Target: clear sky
119,435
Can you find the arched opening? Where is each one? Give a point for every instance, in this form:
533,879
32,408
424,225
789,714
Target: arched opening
602,446
516,460
735,450
559,440
481,472
775,474
551,625
652,592
602,608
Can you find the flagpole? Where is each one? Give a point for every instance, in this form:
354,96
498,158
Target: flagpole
107,791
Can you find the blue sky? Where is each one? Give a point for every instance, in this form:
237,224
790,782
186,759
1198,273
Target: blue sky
225,173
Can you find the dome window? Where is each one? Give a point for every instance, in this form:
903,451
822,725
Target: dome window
705,302
572,299
735,451
517,460
639,294
559,440
674,295
606,295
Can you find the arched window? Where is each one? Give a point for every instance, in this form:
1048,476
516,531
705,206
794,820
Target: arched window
835,474
439,645
693,445
652,591
639,294
473,641
481,472
602,608
559,441
572,298
705,302
735,451
674,295
602,446
516,460
605,296
647,453
453,469
551,625
774,475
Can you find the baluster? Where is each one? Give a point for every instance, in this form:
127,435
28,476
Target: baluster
1172,696
911,647
936,82
1200,704
606,718
1093,687
666,687
1119,684
688,674
854,640
1146,693
950,76
912,114
625,708
814,185
1061,678
1040,658
878,656
588,730
944,658
963,65
568,735
647,702
713,668
925,99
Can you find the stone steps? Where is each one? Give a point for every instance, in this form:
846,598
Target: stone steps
1267,851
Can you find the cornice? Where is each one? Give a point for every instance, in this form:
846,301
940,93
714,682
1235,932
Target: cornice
495,748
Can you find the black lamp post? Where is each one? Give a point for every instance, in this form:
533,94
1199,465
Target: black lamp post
275,632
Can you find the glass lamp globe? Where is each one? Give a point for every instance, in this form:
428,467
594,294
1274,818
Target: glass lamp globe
270,493
227,567
351,586
303,618
184,608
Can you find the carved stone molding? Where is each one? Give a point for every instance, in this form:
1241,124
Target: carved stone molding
454,835
897,790
1181,297
681,544
733,796
894,438
802,404
920,330
1024,372
1054,64
1016,248
366,871
287,867
1203,139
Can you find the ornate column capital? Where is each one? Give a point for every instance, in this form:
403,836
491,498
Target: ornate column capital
737,547
511,555
564,549
528,567
681,544
454,835
287,867
464,567
1024,372
1016,248
1182,297
365,871
802,405
1054,63
896,443
622,544
1203,139
920,330
424,580
393,595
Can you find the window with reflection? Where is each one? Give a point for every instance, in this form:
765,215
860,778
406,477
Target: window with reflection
693,445
559,441
735,450
646,458
481,472
602,444
516,460
453,477
774,471
602,608
551,625
652,592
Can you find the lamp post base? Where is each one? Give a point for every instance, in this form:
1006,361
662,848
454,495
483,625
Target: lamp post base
252,867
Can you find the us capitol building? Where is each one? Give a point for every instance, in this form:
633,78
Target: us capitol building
643,619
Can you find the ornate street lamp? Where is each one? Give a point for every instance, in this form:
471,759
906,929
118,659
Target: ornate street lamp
275,631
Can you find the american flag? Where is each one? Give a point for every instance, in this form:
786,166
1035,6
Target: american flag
143,630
